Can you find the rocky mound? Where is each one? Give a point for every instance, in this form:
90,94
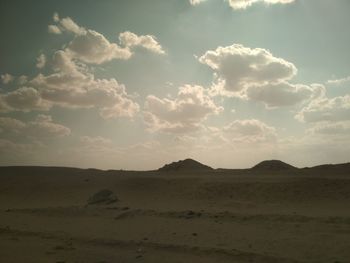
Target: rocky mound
103,197
185,165
273,165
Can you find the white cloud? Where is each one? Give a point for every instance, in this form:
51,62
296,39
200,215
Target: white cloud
71,86
93,47
22,80
283,94
255,74
56,17
65,24
53,29
11,125
69,25
331,129
88,45
71,83
339,81
26,142
42,127
96,150
23,99
196,2
130,40
243,4
41,61
98,140
63,63
238,67
249,131
326,109
182,114
7,78
16,153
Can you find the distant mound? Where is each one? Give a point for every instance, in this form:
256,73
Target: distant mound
342,166
336,169
273,165
185,165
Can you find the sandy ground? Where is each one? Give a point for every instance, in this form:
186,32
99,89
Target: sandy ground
198,217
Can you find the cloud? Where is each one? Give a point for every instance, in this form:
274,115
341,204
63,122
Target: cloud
16,153
56,17
257,75
11,125
23,99
97,149
330,129
70,85
131,40
22,80
69,25
88,45
41,128
93,47
283,94
249,131
6,78
63,63
238,67
196,2
326,109
339,81
34,148
182,114
53,29
98,140
44,127
65,24
243,4
41,61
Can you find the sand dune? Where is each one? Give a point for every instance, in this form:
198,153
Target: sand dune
264,214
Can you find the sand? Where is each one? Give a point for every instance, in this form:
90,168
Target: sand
204,216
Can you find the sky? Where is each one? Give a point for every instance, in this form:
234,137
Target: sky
136,84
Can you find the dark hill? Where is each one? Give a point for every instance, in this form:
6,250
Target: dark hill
185,165
331,169
273,165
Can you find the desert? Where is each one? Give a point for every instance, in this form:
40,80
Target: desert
183,212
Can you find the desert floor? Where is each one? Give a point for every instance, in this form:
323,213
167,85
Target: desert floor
172,217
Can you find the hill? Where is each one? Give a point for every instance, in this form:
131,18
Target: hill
273,165
185,165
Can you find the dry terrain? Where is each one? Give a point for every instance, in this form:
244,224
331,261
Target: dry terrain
266,214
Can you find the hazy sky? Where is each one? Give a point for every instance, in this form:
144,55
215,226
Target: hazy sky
135,84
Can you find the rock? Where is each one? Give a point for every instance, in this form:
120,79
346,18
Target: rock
103,197
191,214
